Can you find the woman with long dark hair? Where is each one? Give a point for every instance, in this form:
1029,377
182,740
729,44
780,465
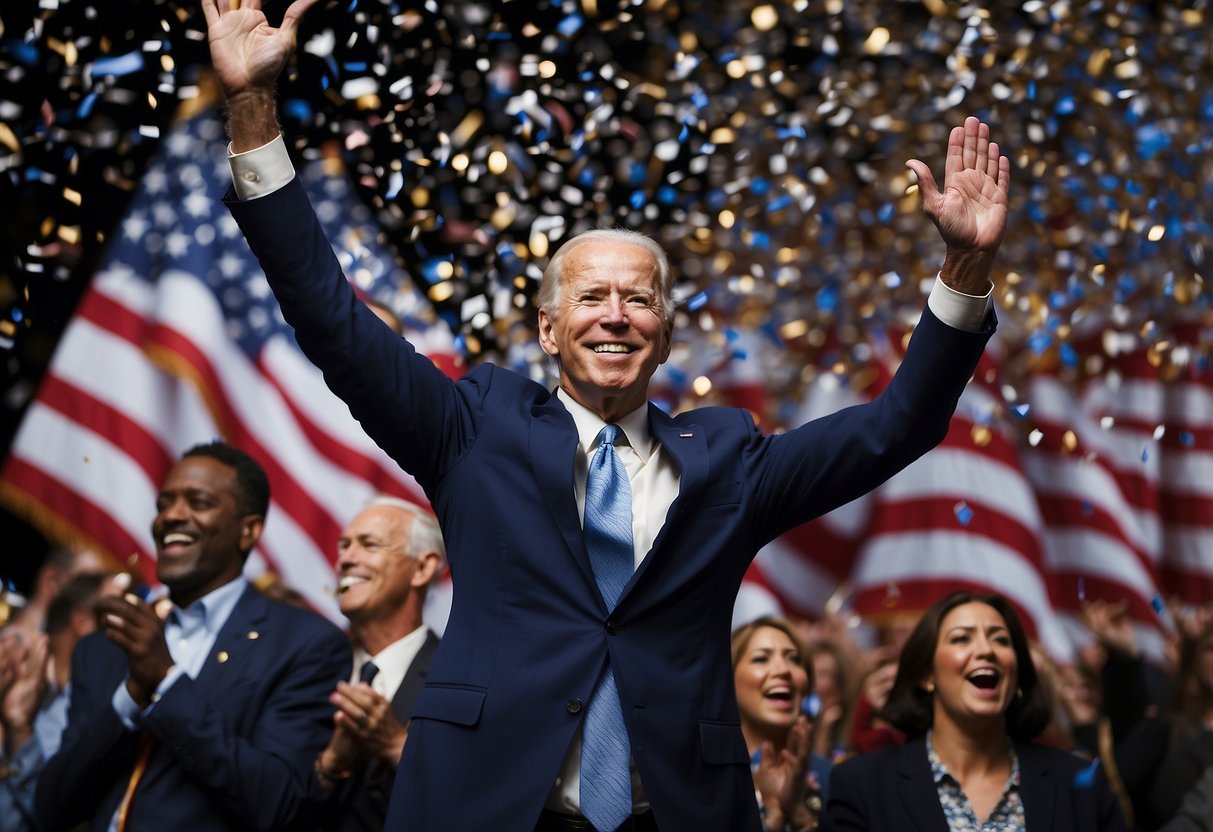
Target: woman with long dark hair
968,699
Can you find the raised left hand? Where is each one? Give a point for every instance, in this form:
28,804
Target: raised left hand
970,210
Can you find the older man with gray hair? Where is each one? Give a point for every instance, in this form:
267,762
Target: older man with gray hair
388,556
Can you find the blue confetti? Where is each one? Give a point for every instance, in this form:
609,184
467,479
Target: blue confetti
963,513
1084,778
697,300
1039,341
1151,140
570,25
119,64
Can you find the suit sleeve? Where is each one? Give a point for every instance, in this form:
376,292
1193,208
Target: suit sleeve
262,779
413,411
96,746
830,461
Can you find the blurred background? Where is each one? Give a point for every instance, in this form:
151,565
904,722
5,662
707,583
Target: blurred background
452,145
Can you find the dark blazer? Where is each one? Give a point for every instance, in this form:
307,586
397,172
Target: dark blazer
362,802
891,790
234,747
529,634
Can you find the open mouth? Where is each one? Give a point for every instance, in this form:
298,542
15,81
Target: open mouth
985,678
614,348
781,694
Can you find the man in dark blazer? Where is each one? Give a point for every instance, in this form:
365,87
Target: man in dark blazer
210,718
388,556
540,650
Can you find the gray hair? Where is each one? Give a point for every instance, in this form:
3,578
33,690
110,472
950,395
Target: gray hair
424,534
553,275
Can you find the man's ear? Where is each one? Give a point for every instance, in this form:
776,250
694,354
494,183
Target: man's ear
251,526
428,566
547,339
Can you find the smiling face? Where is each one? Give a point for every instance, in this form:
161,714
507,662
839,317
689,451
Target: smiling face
974,673
771,682
375,568
607,329
200,531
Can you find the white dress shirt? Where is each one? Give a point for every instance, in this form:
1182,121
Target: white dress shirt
393,662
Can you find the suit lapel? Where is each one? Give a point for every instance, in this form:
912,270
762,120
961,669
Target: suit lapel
916,788
553,445
228,659
414,679
1036,787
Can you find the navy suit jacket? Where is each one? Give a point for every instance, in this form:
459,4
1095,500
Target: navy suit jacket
234,747
529,635
891,790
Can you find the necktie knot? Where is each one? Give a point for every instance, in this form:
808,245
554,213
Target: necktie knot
368,672
609,435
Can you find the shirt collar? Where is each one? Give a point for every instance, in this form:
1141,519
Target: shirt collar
214,607
393,661
634,425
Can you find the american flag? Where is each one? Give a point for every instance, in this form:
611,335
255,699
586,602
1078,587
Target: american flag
177,341
1089,488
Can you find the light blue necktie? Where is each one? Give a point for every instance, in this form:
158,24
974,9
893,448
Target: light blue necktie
606,778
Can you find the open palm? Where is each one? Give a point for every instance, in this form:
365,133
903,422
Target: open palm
246,52
971,209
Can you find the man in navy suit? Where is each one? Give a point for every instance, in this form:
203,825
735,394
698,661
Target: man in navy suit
388,556
550,666
210,718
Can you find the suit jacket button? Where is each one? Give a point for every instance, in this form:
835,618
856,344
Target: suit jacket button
573,706
612,627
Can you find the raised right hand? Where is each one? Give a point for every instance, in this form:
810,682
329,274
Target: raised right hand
247,53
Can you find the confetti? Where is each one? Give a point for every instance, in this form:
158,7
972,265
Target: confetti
763,148
963,513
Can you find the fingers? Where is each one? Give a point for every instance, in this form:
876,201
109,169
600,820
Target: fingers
928,191
359,707
294,13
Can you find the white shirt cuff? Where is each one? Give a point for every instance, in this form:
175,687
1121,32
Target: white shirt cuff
129,711
262,170
958,310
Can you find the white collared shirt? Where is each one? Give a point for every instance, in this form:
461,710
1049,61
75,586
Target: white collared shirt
393,662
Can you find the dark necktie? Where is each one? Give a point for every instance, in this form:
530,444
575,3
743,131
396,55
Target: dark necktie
368,672
606,780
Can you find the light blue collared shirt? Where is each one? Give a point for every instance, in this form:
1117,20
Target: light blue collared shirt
190,634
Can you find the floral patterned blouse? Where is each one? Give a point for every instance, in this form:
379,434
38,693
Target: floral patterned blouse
1007,815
